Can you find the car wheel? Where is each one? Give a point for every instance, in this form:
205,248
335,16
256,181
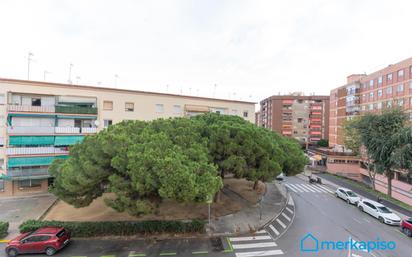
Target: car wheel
360,208
348,201
12,252
381,219
50,251
407,232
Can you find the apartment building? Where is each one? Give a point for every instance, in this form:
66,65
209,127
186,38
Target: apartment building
305,118
40,121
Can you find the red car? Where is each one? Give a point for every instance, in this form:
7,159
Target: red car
406,227
44,240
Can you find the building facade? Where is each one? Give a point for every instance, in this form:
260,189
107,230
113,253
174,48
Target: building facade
40,121
305,118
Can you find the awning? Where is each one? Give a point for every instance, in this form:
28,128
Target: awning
67,140
33,161
31,140
28,115
76,117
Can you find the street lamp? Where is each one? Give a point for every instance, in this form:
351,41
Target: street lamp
45,73
29,59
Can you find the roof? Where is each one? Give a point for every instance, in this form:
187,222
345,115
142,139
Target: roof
47,230
85,87
375,203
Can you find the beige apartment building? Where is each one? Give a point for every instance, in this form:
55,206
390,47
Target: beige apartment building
40,121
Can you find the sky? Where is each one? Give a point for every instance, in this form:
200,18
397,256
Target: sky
243,50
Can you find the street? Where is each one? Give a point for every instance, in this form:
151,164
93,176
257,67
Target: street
315,210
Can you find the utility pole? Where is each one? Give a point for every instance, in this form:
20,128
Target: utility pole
116,77
44,74
28,64
70,73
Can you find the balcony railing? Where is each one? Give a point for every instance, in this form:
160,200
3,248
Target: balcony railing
29,108
35,150
30,130
75,109
49,130
67,130
35,172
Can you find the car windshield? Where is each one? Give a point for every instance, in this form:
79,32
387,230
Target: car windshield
351,194
384,210
61,233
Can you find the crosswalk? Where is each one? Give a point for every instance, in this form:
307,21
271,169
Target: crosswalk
308,188
260,244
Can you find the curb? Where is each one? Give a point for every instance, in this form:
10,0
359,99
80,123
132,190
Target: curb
4,240
281,211
41,216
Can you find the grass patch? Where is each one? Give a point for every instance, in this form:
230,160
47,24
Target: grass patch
366,188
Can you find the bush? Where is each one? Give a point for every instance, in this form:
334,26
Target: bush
323,143
4,227
117,228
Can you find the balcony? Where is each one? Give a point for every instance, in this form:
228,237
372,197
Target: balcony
75,109
28,173
30,130
67,130
29,108
89,130
35,150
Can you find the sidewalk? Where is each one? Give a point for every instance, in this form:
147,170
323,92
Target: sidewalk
334,183
255,217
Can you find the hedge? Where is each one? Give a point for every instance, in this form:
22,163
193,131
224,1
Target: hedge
117,228
4,227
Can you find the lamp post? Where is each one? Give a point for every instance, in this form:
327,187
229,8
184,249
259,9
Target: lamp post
28,64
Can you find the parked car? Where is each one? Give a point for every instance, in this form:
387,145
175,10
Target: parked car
348,195
44,240
406,227
379,211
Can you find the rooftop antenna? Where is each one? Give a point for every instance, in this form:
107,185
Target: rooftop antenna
29,59
214,90
70,73
78,79
45,73
99,83
197,92
181,90
116,77
190,91
167,88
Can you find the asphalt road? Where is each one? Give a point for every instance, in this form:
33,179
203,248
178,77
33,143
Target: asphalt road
329,218
316,211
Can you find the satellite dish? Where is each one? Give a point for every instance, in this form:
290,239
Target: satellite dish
96,122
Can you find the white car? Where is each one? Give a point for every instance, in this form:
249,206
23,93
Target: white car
347,195
379,211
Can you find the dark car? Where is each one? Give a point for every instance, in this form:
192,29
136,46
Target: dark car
406,227
44,240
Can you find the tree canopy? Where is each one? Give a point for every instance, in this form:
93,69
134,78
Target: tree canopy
183,159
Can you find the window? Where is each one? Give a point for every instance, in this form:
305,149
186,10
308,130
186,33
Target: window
129,107
371,95
410,85
389,104
410,118
159,108
389,90
36,102
108,105
177,109
370,106
363,107
245,114
379,106
234,112
400,88
2,99
107,123
400,102
400,73
1,185
300,120
371,83
379,92
27,183
380,80
300,101
389,77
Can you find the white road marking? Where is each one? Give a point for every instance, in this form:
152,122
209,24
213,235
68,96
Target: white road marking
255,245
296,188
314,187
321,189
288,186
291,201
249,238
281,223
366,220
327,189
357,220
308,187
260,253
289,210
300,189
274,230
285,216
